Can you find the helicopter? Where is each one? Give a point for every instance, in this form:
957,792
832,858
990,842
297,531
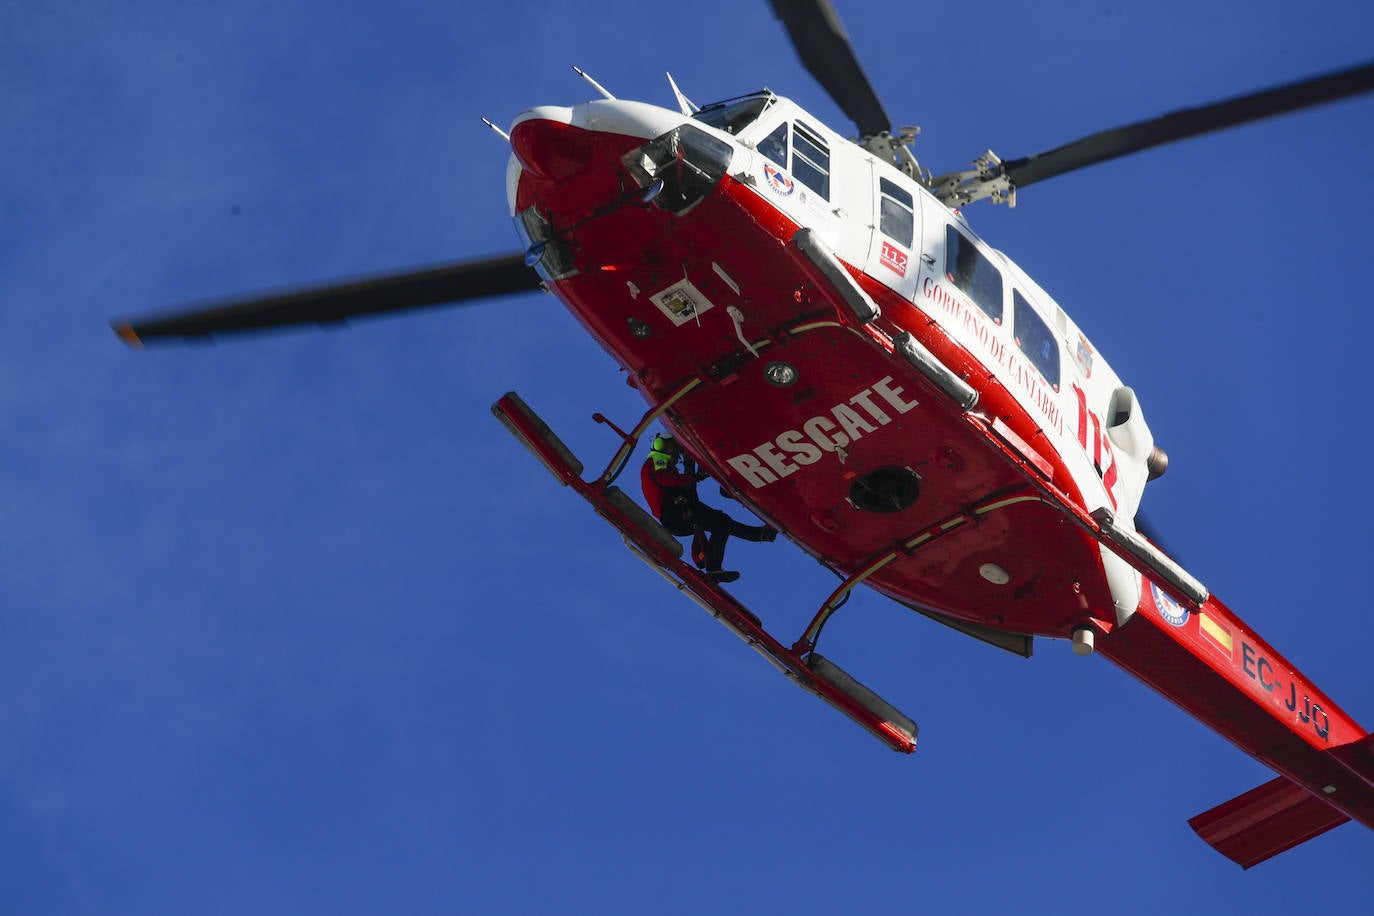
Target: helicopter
819,324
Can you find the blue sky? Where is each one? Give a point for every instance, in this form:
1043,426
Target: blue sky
291,624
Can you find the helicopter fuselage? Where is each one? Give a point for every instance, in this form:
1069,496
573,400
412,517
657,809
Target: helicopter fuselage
811,416
845,355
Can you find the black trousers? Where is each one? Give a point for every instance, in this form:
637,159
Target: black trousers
683,516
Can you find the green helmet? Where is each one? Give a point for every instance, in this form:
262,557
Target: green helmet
664,452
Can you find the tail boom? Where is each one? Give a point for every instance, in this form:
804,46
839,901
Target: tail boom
1209,663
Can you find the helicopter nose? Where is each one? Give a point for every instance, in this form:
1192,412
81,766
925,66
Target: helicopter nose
556,143
547,143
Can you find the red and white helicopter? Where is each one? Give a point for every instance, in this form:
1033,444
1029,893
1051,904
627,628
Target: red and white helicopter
819,325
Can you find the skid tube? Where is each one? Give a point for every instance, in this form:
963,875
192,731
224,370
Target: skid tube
652,543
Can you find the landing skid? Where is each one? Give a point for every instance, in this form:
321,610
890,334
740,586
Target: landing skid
652,543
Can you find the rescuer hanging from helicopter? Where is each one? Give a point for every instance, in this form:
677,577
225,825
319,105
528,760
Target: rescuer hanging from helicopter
672,497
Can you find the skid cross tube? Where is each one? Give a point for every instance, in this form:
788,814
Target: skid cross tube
631,439
811,635
1146,559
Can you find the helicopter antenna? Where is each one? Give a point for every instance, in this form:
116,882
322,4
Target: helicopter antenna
684,104
504,136
595,85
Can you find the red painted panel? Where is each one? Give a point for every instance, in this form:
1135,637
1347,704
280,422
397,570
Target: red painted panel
792,454
1226,699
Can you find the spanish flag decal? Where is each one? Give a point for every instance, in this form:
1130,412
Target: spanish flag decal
1218,633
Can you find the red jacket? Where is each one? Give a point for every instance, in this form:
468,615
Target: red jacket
658,483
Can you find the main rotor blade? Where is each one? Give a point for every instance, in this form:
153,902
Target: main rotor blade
1189,122
824,49
447,284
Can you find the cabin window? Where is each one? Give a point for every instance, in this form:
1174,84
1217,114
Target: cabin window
896,214
1035,339
734,116
774,146
811,160
972,273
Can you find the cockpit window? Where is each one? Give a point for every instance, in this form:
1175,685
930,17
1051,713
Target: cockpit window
1034,338
774,146
735,115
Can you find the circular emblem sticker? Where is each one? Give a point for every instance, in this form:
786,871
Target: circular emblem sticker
779,182
1169,609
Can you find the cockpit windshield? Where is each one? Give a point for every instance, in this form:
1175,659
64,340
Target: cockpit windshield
734,115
